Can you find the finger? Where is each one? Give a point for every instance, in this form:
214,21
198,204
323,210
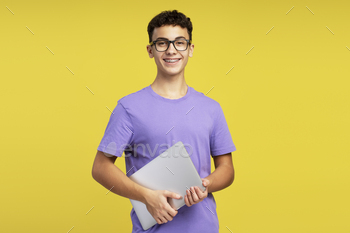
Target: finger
199,193
186,201
168,217
205,182
172,195
159,221
163,219
189,196
172,212
195,198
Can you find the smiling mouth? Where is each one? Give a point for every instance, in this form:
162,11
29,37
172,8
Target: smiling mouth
172,61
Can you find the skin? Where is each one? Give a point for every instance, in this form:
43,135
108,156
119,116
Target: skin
169,83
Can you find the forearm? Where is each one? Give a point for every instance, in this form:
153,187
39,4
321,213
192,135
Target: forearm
221,178
113,179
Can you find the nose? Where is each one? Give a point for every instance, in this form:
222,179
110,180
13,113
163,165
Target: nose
171,49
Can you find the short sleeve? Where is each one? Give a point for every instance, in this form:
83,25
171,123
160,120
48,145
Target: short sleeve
220,139
118,134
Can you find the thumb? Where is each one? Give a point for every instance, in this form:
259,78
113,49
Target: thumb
205,182
172,195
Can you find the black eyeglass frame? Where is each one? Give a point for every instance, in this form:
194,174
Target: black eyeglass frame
171,41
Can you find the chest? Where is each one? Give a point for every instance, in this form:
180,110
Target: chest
177,121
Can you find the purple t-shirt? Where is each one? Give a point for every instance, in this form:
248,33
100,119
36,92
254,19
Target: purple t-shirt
145,124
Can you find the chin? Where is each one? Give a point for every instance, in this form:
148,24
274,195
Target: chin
172,73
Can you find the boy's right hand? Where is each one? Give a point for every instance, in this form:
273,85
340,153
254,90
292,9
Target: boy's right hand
158,206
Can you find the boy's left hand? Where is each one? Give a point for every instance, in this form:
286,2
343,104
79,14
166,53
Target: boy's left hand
195,194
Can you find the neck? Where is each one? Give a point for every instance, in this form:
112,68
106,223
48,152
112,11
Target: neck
171,87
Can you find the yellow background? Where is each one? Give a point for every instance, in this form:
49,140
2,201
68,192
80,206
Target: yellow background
286,103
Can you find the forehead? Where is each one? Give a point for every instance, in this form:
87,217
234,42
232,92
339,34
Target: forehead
170,32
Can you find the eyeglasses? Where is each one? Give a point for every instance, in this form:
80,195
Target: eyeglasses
163,45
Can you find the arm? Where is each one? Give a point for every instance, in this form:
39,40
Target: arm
108,175
105,172
221,178
223,175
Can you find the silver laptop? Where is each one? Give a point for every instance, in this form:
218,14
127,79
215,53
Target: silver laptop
172,170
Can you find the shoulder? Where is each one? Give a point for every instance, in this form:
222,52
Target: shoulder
133,98
205,100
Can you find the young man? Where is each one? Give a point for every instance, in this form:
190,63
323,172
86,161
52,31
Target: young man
163,113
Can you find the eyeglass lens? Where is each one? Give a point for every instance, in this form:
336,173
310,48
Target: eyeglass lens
180,45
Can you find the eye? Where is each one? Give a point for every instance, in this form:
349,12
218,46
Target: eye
162,43
181,42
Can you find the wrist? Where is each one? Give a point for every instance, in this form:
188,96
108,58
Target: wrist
208,187
144,193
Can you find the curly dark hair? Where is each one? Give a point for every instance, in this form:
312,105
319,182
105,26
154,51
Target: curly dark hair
169,18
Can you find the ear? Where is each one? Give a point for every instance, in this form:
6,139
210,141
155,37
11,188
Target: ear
190,53
149,50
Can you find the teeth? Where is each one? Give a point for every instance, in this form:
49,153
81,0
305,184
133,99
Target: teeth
172,60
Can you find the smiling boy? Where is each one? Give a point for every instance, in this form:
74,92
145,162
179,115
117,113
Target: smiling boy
165,112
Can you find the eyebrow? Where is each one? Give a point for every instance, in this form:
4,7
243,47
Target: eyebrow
168,39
